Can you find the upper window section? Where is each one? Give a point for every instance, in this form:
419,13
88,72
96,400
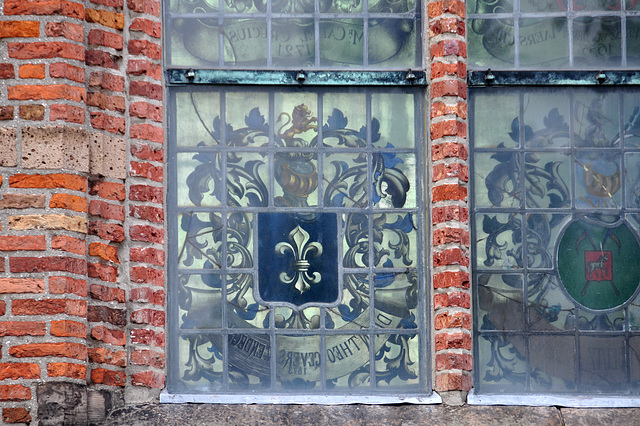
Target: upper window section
554,34
293,34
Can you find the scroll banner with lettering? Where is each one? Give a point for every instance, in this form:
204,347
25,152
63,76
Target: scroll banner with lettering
299,356
545,41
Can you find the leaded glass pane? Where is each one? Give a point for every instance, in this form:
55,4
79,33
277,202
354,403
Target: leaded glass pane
293,34
570,250
299,250
528,34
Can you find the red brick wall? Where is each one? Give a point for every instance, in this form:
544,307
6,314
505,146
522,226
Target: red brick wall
81,198
81,213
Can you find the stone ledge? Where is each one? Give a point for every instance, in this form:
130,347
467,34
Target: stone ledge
432,415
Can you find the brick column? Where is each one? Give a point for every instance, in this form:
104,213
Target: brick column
449,212
145,228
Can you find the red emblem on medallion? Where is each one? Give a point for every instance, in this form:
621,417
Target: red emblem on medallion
597,266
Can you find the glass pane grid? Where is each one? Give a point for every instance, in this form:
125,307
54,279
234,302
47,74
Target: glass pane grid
553,35
293,34
575,206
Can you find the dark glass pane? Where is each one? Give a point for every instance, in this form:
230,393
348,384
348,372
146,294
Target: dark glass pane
552,360
499,302
603,367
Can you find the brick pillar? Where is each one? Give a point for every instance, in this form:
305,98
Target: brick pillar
145,228
81,213
449,212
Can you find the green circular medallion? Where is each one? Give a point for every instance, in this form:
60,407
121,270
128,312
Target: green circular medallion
599,265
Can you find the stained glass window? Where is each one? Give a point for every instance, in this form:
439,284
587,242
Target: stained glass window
555,208
556,217
298,227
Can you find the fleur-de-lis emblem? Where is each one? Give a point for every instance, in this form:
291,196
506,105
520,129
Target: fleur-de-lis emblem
300,247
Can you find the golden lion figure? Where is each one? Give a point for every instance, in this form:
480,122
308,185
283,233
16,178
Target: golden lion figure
300,120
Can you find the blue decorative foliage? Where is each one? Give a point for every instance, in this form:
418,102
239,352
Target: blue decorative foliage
213,349
409,322
336,121
328,322
515,131
375,131
348,314
217,134
384,349
384,279
249,313
389,158
256,121
404,224
211,280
